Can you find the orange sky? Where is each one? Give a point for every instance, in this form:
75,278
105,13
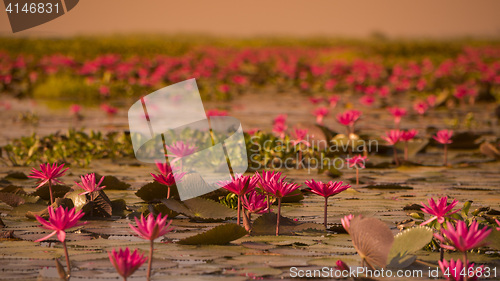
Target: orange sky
395,18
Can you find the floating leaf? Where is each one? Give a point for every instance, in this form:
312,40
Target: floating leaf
329,134
61,271
294,197
219,235
16,175
100,207
155,192
78,200
266,225
372,239
493,240
15,200
112,183
13,189
58,191
44,213
118,207
406,243
159,209
414,146
489,150
388,186
200,208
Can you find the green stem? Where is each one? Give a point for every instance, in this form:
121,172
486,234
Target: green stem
150,261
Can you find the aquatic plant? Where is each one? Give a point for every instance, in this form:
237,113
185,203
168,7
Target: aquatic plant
239,185
393,137
126,262
357,162
326,190
406,136
444,137
48,174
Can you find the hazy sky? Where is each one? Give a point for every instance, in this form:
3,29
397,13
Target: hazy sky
395,18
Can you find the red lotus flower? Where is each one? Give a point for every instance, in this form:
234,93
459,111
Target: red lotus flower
279,189
367,100
126,262
151,228
348,119
320,113
444,136
48,174
255,202
333,100
110,110
420,107
280,129
408,135
356,161
280,119
180,149
316,100
326,190
300,136
75,109
239,185
397,113
455,270
89,184
340,265
60,219
346,222
216,112
393,137
440,211
461,237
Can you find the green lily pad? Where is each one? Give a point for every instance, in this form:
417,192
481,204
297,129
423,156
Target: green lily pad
112,183
100,207
155,192
406,243
219,235
388,186
266,225
199,208
294,197
17,176
13,189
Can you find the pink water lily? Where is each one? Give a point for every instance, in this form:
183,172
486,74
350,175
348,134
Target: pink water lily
462,237
239,185
126,262
167,176
348,119
59,221
498,222
320,113
340,265
150,229
407,136
444,137
455,270
88,183
420,107
346,222
48,174
279,188
254,203
178,150
439,210
397,113
393,137
358,162
326,190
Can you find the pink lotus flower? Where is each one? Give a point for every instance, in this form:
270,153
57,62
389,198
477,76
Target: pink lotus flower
216,112
279,189
280,119
421,107
48,174
461,237
498,222
239,185
357,161
75,109
280,129
397,113
126,262
104,91
60,219
393,137
340,265
431,100
320,113
178,150
367,100
346,222
110,110
407,136
455,271
444,137
89,184
326,190
300,136
150,229
333,100
348,119
254,202
316,100
439,211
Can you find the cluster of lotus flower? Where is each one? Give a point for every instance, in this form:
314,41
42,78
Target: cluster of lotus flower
255,194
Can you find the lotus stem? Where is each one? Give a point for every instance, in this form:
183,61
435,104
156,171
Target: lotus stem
278,218
50,191
406,151
357,176
466,275
67,257
268,203
395,155
445,154
326,212
238,207
150,261
168,192
441,256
